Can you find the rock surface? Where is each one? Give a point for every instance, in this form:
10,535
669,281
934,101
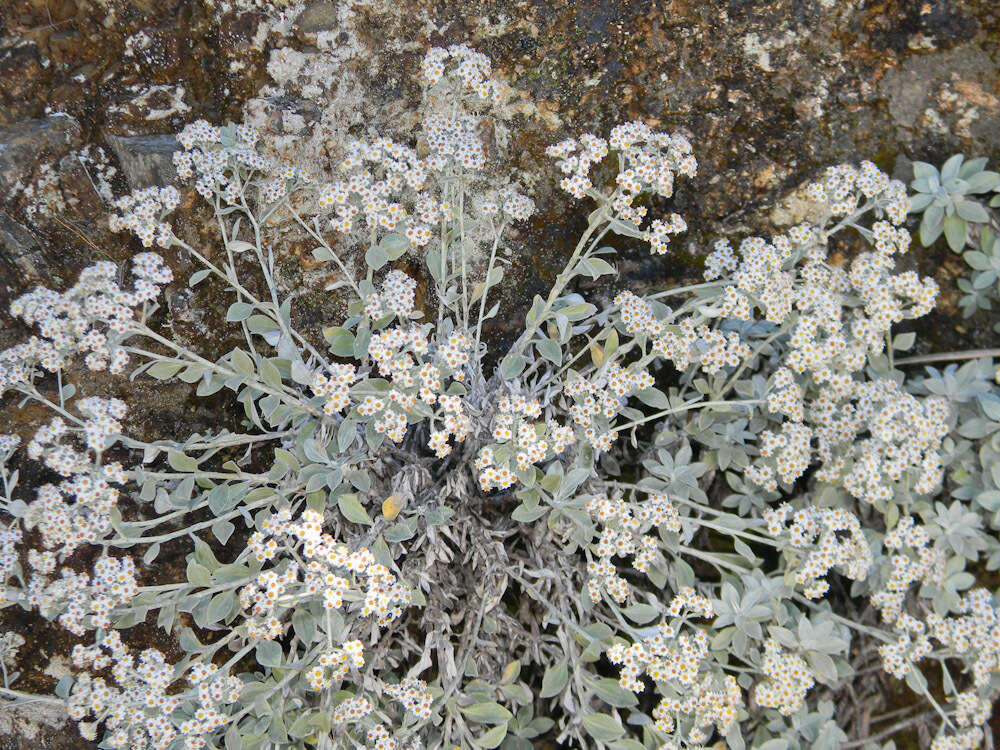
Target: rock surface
769,92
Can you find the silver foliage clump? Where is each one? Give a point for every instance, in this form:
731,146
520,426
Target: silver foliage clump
716,515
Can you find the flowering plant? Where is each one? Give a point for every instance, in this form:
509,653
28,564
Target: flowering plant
696,516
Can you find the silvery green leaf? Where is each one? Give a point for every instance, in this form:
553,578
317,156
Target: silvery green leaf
302,726
904,341
538,725
192,373
983,182
198,276
264,326
352,509
930,223
512,366
189,641
822,666
151,554
920,201
164,370
626,743
234,737
734,737
223,530
300,373
492,738
341,341
612,693
954,232
683,573
241,362
218,499
204,555
359,479
625,229
488,712
434,264
550,350
210,385
949,170
577,311
744,550
972,167
401,530
977,260
314,451
916,681
63,686
376,256
179,462
346,434
653,397
641,613
971,211
220,606
596,267
198,574
269,653
394,245
922,169
537,305
269,373
602,727
304,624
527,514
554,680
239,246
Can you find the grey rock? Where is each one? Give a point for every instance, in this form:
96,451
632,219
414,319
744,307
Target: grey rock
146,159
21,255
26,144
318,17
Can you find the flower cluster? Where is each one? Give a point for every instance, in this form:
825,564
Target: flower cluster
139,711
78,510
788,679
704,699
626,526
973,632
351,710
332,666
226,161
334,388
519,439
403,355
914,560
83,603
90,319
412,693
822,539
473,69
844,186
330,571
143,211
376,176
648,161
711,348
903,447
